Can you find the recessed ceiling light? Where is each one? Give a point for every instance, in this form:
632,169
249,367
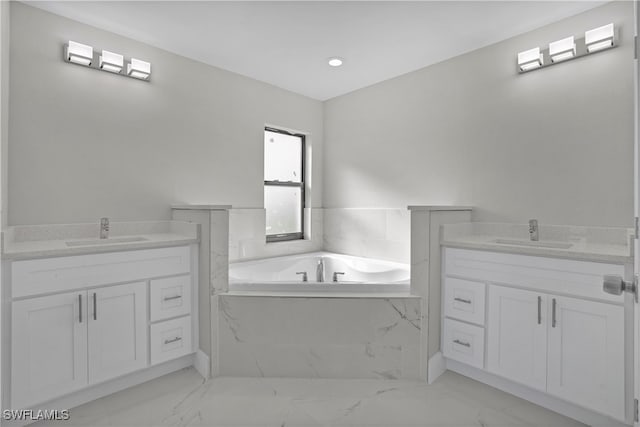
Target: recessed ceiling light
335,62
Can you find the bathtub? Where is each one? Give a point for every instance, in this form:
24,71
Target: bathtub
361,275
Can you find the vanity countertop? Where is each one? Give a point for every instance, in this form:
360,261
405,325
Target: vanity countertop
599,244
44,241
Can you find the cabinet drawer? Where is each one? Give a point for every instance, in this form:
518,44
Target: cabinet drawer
463,342
553,275
464,300
170,339
170,297
32,277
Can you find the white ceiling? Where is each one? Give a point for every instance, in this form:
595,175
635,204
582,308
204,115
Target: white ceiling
287,44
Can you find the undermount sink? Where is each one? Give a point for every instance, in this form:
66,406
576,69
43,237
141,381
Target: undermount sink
105,241
533,243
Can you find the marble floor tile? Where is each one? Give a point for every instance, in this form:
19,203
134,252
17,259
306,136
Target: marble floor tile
184,399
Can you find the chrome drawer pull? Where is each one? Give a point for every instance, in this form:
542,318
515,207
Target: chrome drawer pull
173,297
80,307
466,344
539,310
466,301
172,340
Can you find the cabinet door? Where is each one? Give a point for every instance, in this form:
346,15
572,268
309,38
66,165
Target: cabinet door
117,330
517,336
49,347
586,354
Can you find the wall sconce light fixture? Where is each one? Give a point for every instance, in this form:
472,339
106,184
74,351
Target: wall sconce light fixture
112,62
78,53
139,69
82,54
595,40
599,38
530,59
562,50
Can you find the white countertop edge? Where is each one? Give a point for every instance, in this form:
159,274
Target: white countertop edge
543,252
202,207
439,208
87,250
306,294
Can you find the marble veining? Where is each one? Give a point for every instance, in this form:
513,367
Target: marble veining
219,251
183,399
414,320
319,337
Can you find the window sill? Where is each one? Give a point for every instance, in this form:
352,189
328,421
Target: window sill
282,242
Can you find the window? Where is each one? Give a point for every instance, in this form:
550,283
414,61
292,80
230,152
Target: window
284,154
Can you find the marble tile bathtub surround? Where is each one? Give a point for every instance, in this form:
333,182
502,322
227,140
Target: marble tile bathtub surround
247,235
371,233
319,337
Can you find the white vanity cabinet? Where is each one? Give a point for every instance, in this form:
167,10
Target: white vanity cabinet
548,324
49,347
117,330
517,335
586,354
82,320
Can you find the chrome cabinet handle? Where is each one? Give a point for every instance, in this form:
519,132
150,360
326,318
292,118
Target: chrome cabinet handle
466,301
173,297
466,344
539,310
80,307
95,306
553,313
172,340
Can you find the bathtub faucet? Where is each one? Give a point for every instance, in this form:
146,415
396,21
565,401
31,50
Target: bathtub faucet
320,271
533,230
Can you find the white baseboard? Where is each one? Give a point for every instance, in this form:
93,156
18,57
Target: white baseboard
201,363
539,398
104,389
436,367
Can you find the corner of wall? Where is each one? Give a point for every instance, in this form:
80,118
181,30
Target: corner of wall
4,107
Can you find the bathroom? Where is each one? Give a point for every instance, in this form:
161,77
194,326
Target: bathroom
418,165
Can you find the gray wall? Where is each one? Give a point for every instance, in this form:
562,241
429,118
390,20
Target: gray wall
4,106
4,54
555,144
85,144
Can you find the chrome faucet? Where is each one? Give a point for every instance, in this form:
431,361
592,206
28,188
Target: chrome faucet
335,275
320,271
104,228
304,275
533,230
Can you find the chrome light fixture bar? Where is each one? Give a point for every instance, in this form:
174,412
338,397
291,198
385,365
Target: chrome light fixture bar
78,53
530,59
562,50
568,48
139,69
112,62
600,38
